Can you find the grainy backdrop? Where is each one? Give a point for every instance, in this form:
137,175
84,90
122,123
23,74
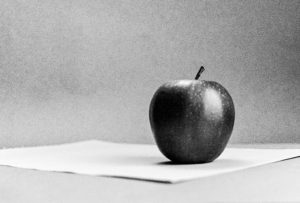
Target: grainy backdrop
81,69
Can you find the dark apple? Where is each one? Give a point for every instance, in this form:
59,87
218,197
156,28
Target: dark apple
192,120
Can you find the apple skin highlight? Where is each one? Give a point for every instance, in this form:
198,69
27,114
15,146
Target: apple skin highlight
191,120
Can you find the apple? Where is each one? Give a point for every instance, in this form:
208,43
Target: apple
192,120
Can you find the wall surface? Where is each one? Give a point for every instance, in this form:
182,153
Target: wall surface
81,69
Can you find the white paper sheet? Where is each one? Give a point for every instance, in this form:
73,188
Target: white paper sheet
143,162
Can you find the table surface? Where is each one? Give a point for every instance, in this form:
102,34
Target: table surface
278,181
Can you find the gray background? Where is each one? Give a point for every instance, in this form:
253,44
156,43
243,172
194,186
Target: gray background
80,69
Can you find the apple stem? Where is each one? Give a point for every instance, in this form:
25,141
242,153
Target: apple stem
199,73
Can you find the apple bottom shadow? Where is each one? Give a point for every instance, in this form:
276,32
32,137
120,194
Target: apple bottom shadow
157,161
216,164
